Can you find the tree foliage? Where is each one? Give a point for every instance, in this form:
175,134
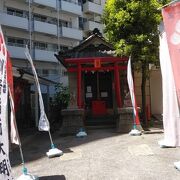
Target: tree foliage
62,96
132,27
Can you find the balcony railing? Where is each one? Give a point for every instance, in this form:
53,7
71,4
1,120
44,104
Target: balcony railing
44,55
90,25
48,3
17,51
13,20
45,27
71,33
91,7
71,7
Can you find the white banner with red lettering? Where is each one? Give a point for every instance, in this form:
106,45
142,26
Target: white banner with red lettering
171,19
171,120
5,168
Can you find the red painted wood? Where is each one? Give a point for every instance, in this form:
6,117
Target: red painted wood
92,59
117,85
79,101
110,68
99,108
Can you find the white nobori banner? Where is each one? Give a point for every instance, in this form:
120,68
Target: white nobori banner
171,115
132,94
5,168
43,121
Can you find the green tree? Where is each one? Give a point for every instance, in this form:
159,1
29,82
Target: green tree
62,96
132,27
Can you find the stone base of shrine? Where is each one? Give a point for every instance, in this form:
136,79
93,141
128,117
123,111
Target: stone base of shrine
73,120
124,120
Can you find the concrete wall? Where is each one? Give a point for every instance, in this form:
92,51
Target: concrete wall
73,89
137,84
153,91
156,92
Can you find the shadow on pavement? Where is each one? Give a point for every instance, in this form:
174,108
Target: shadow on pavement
39,144
57,177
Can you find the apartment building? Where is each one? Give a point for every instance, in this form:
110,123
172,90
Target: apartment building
47,26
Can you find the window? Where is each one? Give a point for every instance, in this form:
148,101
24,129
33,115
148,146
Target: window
16,42
10,41
40,45
52,47
45,72
15,12
65,24
64,48
46,46
42,18
81,23
39,17
53,72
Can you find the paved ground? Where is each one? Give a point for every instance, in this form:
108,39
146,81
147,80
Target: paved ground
103,155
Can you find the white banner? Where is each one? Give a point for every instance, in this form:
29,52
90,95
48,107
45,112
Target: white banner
131,85
43,121
14,132
131,90
171,119
5,168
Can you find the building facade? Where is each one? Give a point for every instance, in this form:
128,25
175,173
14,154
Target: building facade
47,27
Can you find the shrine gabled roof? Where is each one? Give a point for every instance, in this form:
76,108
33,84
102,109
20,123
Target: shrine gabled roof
95,39
93,46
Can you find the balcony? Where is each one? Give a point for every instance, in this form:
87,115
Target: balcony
44,27
90,7
90,25
71,33
44,55
40,55
43,3
14,21
71,7
16,52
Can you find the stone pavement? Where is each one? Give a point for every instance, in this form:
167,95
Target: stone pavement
102,155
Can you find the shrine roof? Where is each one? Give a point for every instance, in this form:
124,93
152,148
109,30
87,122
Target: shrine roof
93,46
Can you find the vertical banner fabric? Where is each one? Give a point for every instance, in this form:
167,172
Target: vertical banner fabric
14,131
10,74
171,19
18,91
171,119
43,121
132,94
5,168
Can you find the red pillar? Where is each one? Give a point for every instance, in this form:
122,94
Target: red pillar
79,101
117,85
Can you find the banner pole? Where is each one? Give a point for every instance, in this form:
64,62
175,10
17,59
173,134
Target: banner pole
22,159
134,121
43,122
25,175
52,144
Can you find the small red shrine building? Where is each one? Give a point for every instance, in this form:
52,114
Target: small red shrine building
97,78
